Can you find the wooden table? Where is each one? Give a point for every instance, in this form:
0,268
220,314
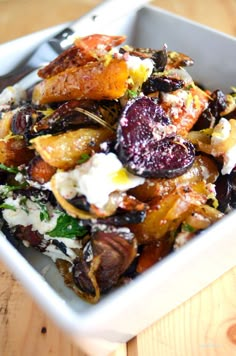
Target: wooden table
205,324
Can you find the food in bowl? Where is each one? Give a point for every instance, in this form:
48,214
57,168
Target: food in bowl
115,159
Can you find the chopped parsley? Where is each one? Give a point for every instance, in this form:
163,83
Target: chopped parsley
83,158
188,228
6,189
3,167
190,86
67,227
23,204
44,213
131,93
7,206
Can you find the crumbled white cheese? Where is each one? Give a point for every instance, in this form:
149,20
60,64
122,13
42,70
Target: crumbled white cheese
221,132
161,131
55,253
177,99
29,214
19,177
135,63
13,94
97,178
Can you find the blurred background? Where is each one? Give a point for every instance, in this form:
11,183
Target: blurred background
20,17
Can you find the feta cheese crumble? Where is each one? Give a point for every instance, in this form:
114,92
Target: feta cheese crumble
221,132
223,143
97,178
28,215
12,94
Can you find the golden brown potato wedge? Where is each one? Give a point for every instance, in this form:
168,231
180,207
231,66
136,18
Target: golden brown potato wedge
203,169
64,150
169,212
95,80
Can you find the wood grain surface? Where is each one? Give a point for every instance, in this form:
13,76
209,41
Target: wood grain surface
205,325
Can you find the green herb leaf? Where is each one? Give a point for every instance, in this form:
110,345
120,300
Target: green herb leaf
131,93
9,169
68,227
7,206
23,204
190,86
6,189
188,228
83,158
44,213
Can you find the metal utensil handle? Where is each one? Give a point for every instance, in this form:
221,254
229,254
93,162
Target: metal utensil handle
92,22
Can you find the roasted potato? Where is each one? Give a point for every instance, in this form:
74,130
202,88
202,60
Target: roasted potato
95,80
64,150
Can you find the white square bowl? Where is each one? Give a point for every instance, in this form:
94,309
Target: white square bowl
123,313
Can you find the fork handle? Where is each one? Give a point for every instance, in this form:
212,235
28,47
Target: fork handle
61,40
14,77
94,21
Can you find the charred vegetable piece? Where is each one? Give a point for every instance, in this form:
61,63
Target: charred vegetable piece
14,151
233,185
69,58
40,171
163,59
161,83
147,144
95,80
178,60
123,218
223,192
65,150
80,202
159,57
65,117
33,238
23,119
112,251
110,110
34,193
85,50
211,115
